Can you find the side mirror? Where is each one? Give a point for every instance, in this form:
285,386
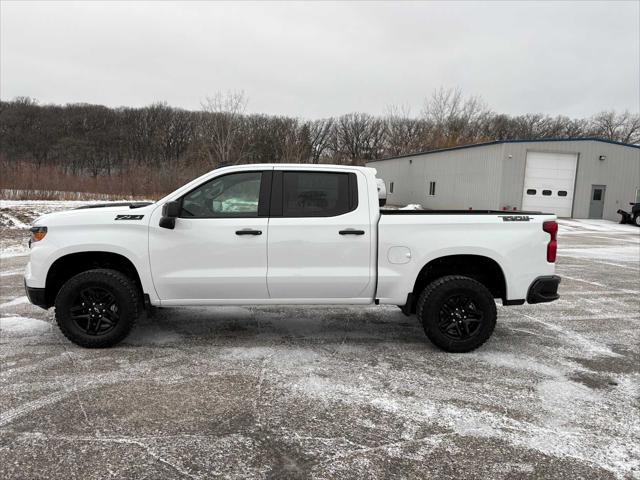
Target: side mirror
170,212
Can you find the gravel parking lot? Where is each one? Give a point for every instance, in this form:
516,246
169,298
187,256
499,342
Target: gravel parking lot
315,392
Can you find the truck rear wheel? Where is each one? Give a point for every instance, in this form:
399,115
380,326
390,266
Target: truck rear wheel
97,308
458,313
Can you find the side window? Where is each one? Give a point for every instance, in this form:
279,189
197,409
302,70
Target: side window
432,188
234,195
546,193
391,187
318,194
562,193
531,191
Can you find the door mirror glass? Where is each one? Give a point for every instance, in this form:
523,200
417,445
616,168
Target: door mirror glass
170,212
171,209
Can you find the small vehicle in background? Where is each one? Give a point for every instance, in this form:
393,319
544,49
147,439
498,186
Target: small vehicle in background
632,217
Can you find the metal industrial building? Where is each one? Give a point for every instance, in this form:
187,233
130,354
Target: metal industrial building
579,178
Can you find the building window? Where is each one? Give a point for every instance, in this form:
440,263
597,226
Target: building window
432,188
531,191
391,187
562,193
597,194
546,193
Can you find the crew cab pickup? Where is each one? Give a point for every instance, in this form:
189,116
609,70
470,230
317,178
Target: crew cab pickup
288,234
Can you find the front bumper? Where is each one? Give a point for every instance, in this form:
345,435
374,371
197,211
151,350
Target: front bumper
36,296
544,289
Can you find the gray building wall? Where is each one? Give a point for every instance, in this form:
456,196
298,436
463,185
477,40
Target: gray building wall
620,172
492,176
464,178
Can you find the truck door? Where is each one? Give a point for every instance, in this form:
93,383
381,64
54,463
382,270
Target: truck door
319,236
217,252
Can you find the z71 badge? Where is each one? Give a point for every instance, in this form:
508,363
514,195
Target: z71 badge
515,218
129,217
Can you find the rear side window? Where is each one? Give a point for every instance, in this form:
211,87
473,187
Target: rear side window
318,194
562,193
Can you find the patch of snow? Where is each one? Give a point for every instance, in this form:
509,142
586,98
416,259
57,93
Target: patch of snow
10,273
15,301
14,251
626,253
412,206
23,325
586,226
16,222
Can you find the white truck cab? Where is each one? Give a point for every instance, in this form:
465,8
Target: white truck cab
288,234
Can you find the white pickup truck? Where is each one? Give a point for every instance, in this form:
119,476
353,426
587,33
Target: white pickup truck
287,234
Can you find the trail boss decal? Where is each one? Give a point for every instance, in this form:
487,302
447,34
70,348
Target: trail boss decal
515,218
129,217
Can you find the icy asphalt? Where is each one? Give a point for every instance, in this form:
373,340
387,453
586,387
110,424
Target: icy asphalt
291,392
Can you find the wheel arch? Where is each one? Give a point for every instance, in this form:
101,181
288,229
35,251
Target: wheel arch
481,268
71,264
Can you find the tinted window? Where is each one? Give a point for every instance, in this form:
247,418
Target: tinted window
235,195
562,193
546,193
597,194
531,191
318,194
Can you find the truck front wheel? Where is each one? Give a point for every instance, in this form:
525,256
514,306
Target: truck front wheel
97,308
458,313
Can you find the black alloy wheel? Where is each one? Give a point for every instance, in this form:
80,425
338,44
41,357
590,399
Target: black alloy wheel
98,308
460,318
95,311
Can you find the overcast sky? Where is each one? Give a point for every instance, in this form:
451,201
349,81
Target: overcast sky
322,59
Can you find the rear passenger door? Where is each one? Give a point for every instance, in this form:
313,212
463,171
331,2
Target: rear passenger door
319,244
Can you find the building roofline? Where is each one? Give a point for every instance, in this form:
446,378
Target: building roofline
500,142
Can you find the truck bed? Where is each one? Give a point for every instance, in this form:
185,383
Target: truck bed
457,212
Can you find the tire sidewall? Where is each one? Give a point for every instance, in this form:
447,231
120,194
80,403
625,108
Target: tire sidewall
636,220
106,280
430,313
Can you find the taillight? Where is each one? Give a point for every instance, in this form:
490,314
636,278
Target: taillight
552,247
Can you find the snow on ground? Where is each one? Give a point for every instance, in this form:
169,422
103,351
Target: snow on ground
16,217
328,392
14,302
23,325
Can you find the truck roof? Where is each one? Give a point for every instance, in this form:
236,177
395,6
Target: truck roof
320,166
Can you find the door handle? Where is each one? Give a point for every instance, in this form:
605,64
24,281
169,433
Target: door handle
248,231
351,231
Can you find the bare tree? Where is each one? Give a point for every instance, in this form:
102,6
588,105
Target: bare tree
622,127
222,127
456,119
319,132
359,137
404,134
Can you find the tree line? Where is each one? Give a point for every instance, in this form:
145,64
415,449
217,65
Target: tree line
151,150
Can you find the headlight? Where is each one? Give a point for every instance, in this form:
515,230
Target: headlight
37,234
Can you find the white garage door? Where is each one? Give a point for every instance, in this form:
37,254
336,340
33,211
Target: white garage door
548,182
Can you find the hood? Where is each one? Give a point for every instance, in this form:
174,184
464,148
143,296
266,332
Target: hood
90,214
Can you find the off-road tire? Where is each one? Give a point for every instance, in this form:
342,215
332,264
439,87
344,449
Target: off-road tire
123,290
430,305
